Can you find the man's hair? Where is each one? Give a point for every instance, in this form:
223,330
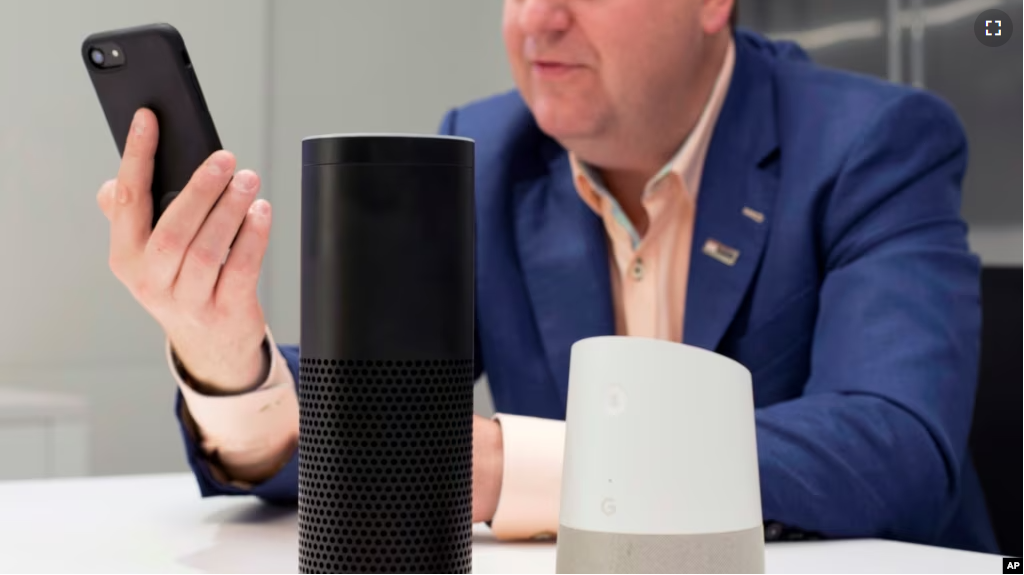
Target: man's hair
734,14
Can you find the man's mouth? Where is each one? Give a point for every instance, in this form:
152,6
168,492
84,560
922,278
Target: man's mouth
553,69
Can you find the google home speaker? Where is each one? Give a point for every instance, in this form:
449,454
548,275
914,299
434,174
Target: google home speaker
386,367
660,472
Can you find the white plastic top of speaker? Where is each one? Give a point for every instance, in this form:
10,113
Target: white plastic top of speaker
660,439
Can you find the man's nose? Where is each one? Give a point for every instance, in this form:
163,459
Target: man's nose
538,17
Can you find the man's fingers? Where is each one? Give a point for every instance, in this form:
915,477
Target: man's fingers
180,222
202,264
241,272
105,198
132,212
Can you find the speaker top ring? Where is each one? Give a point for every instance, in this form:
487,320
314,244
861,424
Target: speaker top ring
385,148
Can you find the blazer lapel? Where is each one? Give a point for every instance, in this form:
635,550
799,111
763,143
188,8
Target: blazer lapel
734,206
564,260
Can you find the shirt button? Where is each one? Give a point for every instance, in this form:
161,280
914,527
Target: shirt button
638,269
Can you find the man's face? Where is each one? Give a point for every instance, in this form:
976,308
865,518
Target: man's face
586,68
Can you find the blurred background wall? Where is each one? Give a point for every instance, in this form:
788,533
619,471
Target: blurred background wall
274,71
930,44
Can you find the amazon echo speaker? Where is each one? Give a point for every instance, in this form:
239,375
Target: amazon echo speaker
660,472
386,368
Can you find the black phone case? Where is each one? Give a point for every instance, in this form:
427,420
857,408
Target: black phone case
157,73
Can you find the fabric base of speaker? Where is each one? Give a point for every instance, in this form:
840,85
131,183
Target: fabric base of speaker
582,551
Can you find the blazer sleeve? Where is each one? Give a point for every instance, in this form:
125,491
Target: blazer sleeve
875,445
282,487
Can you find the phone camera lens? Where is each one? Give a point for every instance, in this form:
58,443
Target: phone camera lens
97,57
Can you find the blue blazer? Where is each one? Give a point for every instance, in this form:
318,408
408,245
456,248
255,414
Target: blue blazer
854,303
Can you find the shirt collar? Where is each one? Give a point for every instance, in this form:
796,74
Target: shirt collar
688,161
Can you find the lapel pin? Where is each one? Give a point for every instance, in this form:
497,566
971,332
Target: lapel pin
721,252
753,214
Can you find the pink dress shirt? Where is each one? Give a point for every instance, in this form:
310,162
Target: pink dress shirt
258,431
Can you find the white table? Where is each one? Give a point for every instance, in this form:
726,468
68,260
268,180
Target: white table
159,523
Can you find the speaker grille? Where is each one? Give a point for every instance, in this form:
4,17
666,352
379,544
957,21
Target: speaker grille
385,466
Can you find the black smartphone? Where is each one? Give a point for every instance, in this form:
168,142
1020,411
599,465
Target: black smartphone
149,67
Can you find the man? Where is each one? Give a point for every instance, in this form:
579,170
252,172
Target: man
655,174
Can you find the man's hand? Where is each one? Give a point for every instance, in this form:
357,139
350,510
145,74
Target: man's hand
488,458
181,272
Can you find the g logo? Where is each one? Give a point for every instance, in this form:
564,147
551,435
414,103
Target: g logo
608,506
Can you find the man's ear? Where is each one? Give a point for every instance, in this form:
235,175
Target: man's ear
717,15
